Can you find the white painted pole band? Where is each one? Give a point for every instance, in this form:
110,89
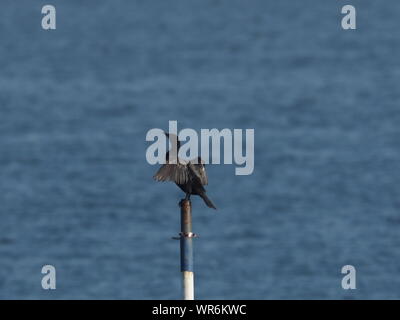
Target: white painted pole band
188,285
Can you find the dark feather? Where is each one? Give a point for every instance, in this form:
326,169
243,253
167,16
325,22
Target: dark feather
173,172
198,169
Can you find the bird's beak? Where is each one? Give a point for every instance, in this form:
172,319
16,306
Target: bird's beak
167,134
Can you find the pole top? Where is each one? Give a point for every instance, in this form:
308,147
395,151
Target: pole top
185,204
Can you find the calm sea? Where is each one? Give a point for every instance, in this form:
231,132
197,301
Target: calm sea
76,191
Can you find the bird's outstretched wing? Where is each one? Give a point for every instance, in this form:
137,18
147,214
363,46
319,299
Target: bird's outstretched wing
178,173
198,169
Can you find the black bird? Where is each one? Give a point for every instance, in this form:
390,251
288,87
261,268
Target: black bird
190,176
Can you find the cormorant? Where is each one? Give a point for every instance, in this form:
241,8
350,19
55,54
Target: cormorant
190,176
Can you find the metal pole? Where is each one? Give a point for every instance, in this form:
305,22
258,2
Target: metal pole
186,241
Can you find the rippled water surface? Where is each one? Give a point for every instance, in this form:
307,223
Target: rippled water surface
76,190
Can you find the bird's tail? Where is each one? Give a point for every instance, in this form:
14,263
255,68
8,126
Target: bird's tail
207,201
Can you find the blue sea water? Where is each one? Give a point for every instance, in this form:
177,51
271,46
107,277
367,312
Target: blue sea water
76,191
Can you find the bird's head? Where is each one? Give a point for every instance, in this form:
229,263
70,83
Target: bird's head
173,138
